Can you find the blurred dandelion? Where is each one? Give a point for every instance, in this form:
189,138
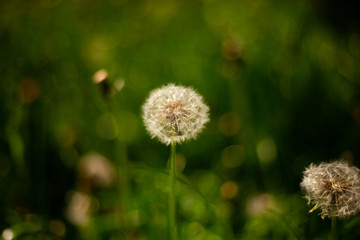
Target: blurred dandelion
333,187
260,204
8,234
174,114
97,169
78,210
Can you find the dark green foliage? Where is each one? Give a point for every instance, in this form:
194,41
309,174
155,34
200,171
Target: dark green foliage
281,80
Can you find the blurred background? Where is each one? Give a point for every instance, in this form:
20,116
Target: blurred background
281,79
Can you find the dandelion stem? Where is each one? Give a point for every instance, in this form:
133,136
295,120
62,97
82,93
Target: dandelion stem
172,212
333,229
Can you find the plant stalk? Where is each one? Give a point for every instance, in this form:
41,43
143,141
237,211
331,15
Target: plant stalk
333,229
172,212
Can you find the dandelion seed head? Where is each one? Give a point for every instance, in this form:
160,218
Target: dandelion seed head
332,187
174,114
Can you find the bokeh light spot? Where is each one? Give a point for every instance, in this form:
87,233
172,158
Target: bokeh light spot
266,150
195,231
100,76
97,169
66,136
128,125
8,234
78,209
229,190
206,181
133,217
233,156
29,91
259,204
57,227
119,84
229,124
180,162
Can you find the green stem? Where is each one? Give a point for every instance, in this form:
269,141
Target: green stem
172,213
333,229
122,178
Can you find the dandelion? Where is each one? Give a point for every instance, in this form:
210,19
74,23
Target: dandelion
174,114
334,188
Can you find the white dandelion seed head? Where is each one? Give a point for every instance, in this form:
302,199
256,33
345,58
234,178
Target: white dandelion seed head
174,114
332,187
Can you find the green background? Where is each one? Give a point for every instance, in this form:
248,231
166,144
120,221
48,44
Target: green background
281,79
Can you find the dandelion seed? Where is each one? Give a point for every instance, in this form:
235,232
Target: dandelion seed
332,187
174,114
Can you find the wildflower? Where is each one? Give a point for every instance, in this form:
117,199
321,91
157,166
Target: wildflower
174,114
332,187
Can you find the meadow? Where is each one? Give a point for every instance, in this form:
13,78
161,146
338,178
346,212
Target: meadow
281,80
